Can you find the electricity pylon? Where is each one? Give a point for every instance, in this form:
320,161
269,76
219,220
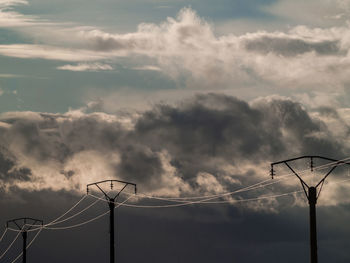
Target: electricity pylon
312,194
111,204
24,224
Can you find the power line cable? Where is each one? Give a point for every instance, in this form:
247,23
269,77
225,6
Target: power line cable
244,189
3,234
320,167
72,216
64,214
55,222
251,199
88,221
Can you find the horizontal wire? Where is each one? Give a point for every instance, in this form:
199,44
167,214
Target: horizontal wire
72,216
185,199
244,189
252,199
55,222
252,187
80,224
207,201
61,216
88,221
320,167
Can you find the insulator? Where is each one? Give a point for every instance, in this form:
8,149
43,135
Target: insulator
312,164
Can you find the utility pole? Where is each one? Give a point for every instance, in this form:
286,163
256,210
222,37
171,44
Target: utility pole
111,203
24,224
312,194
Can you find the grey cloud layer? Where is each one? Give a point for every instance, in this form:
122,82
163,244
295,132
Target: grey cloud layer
291,47
208,144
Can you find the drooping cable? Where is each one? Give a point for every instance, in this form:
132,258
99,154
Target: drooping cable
210,197
88,221
3,234
55,222
72,216
64,214
251,199
80,224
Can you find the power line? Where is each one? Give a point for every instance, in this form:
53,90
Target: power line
88,221
77,225
210,197
320,167
70,209
74,215
3,234
252,199
55,222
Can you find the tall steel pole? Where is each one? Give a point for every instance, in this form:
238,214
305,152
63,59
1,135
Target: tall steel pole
24,258
111,204
313,232
111,230
24,224
312,194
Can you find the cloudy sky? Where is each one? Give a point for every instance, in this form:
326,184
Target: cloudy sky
186,99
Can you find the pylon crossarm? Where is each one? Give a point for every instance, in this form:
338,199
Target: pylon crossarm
312,156
22,224
319,192
16,224
301,180
332,160
321,183
305,186
112,180
120,191
106,195
324,178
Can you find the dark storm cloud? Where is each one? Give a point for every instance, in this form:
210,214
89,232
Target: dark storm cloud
140,164
220,126
291,46
9,170
200,135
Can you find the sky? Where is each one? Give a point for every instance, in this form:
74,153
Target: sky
186,99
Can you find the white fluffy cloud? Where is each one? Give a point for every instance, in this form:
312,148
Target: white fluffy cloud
186,47
86,67
49,52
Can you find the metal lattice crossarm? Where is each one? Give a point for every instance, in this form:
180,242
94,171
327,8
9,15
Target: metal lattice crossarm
97,184
312,193
335,164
